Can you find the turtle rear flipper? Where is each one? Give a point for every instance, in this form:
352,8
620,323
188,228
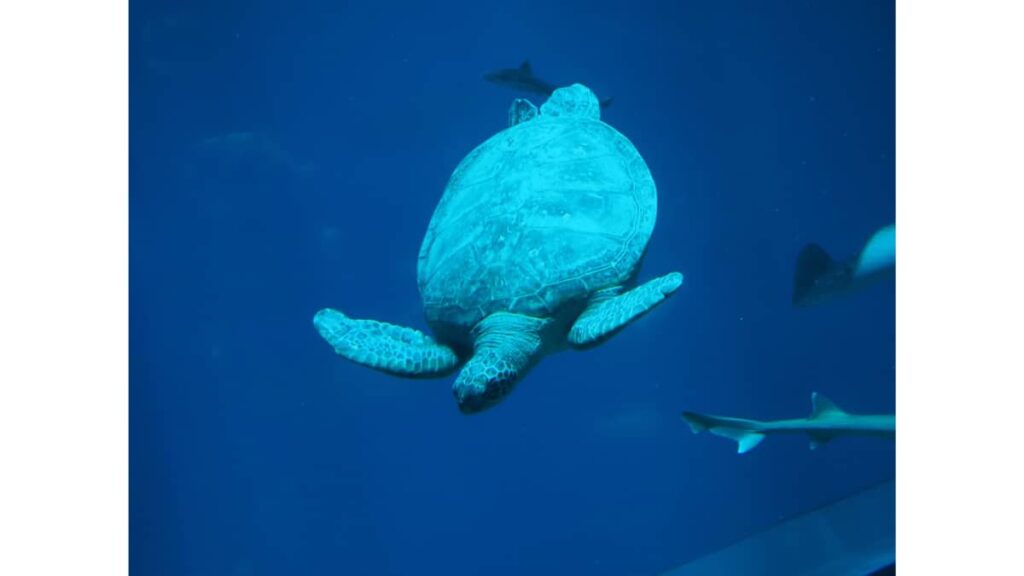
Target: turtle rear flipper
393,349
605,317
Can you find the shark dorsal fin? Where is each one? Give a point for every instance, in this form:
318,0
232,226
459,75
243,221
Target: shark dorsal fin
813,265
822,406
525,68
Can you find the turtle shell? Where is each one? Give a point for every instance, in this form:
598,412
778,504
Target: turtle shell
535,219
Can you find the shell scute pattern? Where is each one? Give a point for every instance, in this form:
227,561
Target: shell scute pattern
537,216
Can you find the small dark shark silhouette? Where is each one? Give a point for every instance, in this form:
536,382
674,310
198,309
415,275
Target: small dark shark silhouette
818,277
522,78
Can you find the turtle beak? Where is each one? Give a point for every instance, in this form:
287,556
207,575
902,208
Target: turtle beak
472,406
472,401
475,397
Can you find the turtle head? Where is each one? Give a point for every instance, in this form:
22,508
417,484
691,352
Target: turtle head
575,101
505,347
483,382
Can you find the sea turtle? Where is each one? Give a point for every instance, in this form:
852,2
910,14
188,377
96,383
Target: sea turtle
534,247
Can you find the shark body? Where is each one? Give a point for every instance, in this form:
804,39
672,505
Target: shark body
522,78
819,277
827,421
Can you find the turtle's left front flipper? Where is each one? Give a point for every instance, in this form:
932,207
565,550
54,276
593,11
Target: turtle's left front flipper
393,349
605,317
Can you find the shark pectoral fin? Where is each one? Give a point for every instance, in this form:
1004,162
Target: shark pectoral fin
879,254
819,439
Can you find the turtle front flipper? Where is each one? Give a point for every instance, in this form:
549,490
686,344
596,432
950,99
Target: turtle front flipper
603,318
393,349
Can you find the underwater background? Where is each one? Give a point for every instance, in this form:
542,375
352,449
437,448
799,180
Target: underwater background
286,157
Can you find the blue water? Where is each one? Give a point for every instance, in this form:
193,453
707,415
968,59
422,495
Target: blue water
287,156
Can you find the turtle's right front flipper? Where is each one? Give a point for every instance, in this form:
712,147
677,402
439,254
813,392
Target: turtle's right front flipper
605,316
393,349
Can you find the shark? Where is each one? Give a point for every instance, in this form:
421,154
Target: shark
819,277
826,422
522,78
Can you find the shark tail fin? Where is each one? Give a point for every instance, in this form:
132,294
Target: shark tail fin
812,263
698,422
606,103
746,440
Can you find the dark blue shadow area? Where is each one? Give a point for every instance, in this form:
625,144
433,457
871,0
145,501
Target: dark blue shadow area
288,156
